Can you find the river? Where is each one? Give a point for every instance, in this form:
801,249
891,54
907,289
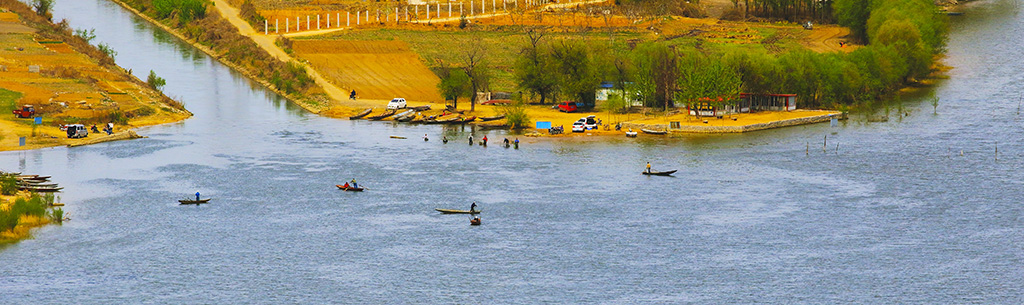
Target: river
919,209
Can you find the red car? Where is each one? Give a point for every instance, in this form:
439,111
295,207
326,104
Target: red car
26,111
567,107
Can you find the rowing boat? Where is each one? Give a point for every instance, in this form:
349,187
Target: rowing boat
492,118
408,117
421,108
450,211
195,202
41,189
349,188
465,120
666,173
404,114
361,114
654,131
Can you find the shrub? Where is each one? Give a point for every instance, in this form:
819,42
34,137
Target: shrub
8,185
515,114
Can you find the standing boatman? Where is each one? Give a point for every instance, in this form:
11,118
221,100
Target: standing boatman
197,196
648,167
472,208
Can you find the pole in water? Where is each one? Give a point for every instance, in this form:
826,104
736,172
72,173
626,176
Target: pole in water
997,151
837,148
808,152
824,145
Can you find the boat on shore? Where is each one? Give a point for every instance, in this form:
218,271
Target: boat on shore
654,131
195,202
492,118
463,120
361,114
665,173
420,108
408,118
631,134
450,211
349,188
381,116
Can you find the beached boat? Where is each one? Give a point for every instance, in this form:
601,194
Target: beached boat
349,188
381,116
465,120
492,118
654,131
404,114
361,114
408,118
444,120
631,134
665,173
195,202
41,189
421,108
450,211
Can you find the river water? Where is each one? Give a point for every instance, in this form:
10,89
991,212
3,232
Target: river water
919,209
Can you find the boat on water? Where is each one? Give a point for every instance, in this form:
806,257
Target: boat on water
665,173
41,189
361,114
195,202
450,211
492,118
381,116
654,131
474,221
631,134
349,188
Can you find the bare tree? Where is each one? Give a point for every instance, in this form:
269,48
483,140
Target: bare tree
476,69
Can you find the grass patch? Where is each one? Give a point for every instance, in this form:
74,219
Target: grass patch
9,100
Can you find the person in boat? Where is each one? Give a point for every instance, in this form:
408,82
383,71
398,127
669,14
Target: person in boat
354,185
472,208
197,196
648,167
346,185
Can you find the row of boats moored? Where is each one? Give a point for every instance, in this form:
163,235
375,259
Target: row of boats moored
413,115
35,183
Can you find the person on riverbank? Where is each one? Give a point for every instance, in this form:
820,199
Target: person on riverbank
352,95
648,167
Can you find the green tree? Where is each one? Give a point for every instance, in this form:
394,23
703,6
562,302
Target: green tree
576,74
705,79
454,83
43,8
154,81
854,14
532,67
655,74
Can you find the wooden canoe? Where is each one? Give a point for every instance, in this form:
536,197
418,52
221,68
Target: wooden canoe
404,114
408,117
42,189
382,116
469,119
654,131
195,202
450,211
421,108
665,173
349,189
361,114
492,118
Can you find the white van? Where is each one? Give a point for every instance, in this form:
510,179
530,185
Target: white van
76,131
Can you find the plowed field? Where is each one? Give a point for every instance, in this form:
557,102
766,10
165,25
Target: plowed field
374,69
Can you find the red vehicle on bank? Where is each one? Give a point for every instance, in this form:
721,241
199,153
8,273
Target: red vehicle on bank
26,111
568,107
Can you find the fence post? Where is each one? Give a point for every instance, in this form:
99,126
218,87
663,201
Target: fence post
358,16
298,23
483,7
347,19
266,27
287,27
428,11
307,23
317,21
328,20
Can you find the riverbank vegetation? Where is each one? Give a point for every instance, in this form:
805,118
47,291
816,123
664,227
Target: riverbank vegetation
193,20
19,212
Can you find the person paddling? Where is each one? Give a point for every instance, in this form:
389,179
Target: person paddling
648,167
354,185
472,208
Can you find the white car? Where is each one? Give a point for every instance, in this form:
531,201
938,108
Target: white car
397,103
578,126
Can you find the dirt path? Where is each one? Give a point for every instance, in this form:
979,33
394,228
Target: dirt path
826,38
267,43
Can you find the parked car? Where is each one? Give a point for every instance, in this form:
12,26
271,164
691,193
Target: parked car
578,126
76,131
589,122
397,103
26,111
567,107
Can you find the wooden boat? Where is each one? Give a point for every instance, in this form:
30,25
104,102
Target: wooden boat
397,137
665,173
38,184
421,108
382,116
449,211
492,118
474,221
361,114
41,189
349,188
469,119
417,119
452,119
654,131
631,134
195,202
408,117
404,114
